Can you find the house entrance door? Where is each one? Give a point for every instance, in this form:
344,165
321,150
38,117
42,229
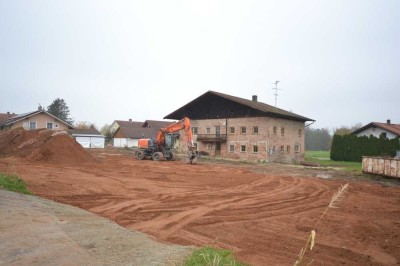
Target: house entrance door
217,149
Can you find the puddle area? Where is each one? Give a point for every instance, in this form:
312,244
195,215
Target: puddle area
324,176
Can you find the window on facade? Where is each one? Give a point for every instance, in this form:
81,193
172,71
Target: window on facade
56,126
282,148
255,148
274,131
288,149
32,125
243,130
232,130
299,132
195,130
282,131
195,146
255,130
273,149
383,135
231,148
297,148
243,148
209,146
208,130
49,125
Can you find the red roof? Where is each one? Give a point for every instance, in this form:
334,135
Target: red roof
6,116
392,128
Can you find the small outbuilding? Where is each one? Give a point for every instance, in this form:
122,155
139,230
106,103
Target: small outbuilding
88,138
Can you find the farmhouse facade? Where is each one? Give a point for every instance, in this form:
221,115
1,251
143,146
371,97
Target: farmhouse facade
34,120
377,129
233,127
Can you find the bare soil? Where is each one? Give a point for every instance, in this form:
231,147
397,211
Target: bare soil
36,231
262,212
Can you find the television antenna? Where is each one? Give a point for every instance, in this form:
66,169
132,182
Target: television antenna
276,91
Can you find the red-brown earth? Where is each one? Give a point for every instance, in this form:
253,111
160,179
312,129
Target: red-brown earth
264,212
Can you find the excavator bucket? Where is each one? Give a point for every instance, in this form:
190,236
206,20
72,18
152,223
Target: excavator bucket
191,157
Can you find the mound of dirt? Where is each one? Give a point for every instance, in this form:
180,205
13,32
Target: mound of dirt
43,145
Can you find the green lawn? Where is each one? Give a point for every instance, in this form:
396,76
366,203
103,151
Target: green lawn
323,158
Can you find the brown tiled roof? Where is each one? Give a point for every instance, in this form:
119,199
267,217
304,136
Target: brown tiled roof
263,108
129,123
6,116
137,130
157,124
85,131
392,128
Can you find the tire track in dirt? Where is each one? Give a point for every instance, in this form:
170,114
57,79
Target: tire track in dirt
263,216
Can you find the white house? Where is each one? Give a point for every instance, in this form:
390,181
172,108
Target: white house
376,129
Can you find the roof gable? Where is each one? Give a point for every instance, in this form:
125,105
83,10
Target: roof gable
137,130
211,105
392,128
20,117
156,124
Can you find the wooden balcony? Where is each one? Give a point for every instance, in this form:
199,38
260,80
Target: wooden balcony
211,137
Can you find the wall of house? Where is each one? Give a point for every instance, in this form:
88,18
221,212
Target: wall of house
41,122
125,142
376,132
264,145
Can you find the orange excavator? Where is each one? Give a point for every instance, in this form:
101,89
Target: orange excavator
162,147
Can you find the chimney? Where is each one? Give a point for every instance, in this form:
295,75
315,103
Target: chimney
8,113
254,98
388,121
40,108
130,120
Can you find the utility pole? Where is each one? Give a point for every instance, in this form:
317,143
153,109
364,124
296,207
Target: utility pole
276,91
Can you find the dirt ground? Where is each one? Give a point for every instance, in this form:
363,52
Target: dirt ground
263,213
36,231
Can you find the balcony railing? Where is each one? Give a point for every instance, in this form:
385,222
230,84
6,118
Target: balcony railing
211,137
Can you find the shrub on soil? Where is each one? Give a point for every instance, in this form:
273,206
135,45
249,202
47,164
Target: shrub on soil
13,183
212,257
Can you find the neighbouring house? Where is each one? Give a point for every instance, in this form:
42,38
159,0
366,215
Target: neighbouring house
34,120
233,127
88,138
376,129
127,133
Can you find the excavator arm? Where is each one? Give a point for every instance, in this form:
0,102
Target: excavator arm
181,124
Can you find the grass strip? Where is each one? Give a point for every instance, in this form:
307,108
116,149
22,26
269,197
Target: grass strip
212,257
13,183
323,159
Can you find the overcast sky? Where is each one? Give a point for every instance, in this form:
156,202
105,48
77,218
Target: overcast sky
338,62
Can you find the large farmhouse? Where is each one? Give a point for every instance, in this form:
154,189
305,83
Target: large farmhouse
229,126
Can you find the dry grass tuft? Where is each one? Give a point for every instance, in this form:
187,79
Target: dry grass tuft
336,198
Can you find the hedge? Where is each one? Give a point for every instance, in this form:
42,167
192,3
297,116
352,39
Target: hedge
352,148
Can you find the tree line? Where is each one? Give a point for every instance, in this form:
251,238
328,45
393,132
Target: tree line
320,139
